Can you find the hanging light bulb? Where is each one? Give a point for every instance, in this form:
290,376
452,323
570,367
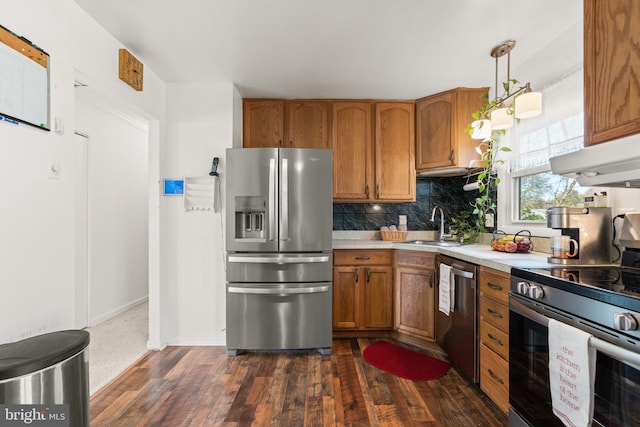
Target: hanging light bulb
481,129
501,119
528,105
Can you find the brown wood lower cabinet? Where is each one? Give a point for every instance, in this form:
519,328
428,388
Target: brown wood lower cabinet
494,335
362,289
415,293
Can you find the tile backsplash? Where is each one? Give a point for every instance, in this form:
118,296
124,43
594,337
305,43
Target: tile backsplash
445,192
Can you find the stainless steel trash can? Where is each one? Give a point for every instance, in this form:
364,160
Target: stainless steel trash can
50,369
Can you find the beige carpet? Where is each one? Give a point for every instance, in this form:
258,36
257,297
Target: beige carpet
117,343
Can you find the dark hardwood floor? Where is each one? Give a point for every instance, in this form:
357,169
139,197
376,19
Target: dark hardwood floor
201,386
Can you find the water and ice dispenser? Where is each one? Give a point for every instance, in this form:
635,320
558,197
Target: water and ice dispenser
251,213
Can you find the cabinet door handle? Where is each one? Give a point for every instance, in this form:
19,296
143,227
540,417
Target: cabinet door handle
495,340
377,191
495,377
494,287
357,275
290,144
363,258
431,280
280,143
366,191
495,313
368,275
453,157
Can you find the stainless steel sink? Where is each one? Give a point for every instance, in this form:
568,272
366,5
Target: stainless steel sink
445,243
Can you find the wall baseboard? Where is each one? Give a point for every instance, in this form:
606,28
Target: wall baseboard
113,313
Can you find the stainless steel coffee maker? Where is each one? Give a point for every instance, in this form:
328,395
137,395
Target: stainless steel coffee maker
591,228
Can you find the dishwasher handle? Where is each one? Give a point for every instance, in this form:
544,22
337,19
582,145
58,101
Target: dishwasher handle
462,273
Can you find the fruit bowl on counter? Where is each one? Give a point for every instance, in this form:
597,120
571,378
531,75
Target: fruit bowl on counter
512,243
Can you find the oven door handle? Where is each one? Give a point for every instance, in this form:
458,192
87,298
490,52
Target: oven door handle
618,353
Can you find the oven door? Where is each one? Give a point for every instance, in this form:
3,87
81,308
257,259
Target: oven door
617,382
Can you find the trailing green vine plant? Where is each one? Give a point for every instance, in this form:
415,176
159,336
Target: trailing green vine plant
489,150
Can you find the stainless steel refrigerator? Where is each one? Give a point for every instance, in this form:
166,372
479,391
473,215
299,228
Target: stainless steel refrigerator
278,240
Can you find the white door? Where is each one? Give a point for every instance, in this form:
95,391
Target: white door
81,148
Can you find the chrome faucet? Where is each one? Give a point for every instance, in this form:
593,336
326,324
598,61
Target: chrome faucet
433,216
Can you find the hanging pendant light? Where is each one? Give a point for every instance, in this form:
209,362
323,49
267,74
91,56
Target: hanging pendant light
501,119
528,105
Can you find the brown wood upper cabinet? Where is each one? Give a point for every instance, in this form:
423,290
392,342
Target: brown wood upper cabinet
441,141
611,70
288,124
263,123
373,145
395,152
352,143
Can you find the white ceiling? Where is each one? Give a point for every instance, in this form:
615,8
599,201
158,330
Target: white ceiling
383,49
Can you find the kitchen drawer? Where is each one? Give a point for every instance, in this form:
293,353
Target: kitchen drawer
416,259
495,339
362,257
495,284
494,377
495,313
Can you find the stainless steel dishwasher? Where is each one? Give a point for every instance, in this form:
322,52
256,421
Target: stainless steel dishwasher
456,332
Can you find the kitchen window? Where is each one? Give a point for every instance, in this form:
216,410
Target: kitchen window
528,187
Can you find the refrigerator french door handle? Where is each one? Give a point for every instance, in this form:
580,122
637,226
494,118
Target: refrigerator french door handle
272,199
284,212
280,259
278,290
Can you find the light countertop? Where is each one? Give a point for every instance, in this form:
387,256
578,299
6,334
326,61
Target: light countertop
480,254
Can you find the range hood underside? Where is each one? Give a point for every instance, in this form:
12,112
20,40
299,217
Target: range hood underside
610,164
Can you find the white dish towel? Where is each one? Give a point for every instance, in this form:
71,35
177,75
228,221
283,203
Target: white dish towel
446,291
572,366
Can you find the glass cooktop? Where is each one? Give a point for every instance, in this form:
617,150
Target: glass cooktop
613,279
616,285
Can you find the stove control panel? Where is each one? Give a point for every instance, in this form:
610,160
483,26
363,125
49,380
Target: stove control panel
530,290
624,322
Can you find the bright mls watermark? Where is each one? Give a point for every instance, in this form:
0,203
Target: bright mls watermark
34,415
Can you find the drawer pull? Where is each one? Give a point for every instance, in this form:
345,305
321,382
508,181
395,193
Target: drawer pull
495,313
495,287
363,258
495,377
495,340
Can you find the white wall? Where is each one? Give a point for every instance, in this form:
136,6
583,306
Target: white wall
186,269
117,208
200,128
37,214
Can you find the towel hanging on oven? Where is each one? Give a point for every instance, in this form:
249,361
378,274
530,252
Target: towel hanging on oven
572,365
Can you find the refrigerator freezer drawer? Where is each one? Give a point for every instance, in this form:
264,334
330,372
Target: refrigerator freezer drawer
279,317
279,268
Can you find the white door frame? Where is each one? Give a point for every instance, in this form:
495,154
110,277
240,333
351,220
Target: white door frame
155,335
82,261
